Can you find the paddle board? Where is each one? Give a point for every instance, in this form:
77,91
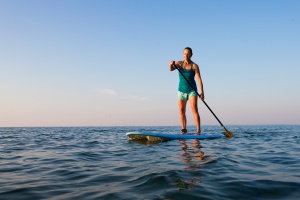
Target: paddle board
151,136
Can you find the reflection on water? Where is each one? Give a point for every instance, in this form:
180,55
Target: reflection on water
193,157
187,184
191,151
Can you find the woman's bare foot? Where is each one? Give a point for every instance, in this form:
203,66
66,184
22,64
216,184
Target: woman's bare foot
198,132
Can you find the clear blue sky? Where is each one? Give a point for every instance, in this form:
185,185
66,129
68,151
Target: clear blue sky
105,63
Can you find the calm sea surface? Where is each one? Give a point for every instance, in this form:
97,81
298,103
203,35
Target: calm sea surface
260,162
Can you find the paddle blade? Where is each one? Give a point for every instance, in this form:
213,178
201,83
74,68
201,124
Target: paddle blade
228,133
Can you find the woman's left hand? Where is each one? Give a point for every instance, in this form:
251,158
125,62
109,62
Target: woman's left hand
202,96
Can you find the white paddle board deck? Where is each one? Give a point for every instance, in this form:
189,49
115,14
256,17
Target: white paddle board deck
150,136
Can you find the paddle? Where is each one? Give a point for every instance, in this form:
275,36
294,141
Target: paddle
227,133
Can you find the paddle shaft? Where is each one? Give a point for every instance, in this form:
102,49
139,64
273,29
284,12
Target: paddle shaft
199,96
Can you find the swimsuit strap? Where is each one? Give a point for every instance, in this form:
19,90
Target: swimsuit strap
182,64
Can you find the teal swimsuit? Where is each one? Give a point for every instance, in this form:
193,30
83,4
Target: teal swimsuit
184,89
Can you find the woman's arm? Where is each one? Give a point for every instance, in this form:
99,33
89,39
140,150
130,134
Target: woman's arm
199,79
172,67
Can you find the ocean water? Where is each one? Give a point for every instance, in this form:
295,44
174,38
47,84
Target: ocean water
260,162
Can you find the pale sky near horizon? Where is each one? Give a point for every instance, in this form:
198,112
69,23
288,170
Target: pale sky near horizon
105,63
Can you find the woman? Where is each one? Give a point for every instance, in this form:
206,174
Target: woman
185,92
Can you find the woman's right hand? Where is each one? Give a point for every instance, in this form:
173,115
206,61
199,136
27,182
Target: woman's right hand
172,67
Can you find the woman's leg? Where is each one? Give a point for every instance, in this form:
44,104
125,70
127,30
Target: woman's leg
194,107
182,111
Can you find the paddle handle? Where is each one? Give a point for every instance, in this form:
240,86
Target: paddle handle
199,96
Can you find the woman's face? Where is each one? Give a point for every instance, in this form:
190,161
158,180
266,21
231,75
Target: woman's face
186,54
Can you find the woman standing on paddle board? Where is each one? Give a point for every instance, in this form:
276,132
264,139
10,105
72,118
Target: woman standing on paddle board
188,71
